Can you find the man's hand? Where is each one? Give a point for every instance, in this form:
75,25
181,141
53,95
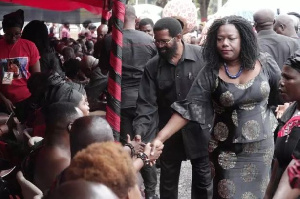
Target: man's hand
137,144
138,138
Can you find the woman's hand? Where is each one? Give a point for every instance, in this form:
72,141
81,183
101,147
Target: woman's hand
156,148
152,157
147,149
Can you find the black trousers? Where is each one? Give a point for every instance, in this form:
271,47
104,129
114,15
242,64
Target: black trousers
148,173
202,186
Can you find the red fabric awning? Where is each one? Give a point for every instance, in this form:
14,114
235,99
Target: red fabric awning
93,6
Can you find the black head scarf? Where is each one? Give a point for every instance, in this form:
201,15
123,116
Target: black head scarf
294,61
61,91
14,19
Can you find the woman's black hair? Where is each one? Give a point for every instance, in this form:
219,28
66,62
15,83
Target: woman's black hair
249,50
37,32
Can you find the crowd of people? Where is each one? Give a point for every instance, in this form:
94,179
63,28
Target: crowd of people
229,103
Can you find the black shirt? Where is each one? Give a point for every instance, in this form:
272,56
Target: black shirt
280,47
162,84
138,48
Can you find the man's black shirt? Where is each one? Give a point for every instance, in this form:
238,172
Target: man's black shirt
162,84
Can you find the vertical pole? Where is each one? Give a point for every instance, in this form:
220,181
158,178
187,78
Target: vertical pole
113,108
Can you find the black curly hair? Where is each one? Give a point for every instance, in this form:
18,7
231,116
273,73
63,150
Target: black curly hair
249,50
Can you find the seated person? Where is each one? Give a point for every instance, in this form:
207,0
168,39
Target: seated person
98,82
67,53
105,163
81,189
44,164
95,129
91,129
74,73
89,47
58,90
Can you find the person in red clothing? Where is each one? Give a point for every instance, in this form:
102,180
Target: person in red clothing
65,31
18,59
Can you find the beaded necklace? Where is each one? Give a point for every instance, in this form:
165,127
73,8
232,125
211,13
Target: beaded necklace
232,76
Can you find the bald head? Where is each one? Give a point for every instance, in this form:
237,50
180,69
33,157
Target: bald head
296,22
264,19
80,189
284,25
88,130
101,31
130,17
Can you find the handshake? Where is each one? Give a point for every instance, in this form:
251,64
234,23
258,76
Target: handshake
150,151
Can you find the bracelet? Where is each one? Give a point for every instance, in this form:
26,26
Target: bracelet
132,151
144,157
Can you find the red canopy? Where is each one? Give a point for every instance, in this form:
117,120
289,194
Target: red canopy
93,6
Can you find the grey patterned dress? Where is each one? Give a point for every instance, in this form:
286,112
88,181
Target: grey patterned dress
242,146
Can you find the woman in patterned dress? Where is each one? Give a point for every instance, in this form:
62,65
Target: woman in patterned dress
238,106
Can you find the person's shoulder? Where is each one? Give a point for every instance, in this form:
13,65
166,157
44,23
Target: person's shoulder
107,38
153,63
138,35
286,39
26,42
154,60
268,63
193,52
264,58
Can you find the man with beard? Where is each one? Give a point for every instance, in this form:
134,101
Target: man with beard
167,78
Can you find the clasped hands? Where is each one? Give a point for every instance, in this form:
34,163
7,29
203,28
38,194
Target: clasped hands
152,150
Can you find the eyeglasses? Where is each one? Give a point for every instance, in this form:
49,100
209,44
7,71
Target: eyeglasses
162,42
